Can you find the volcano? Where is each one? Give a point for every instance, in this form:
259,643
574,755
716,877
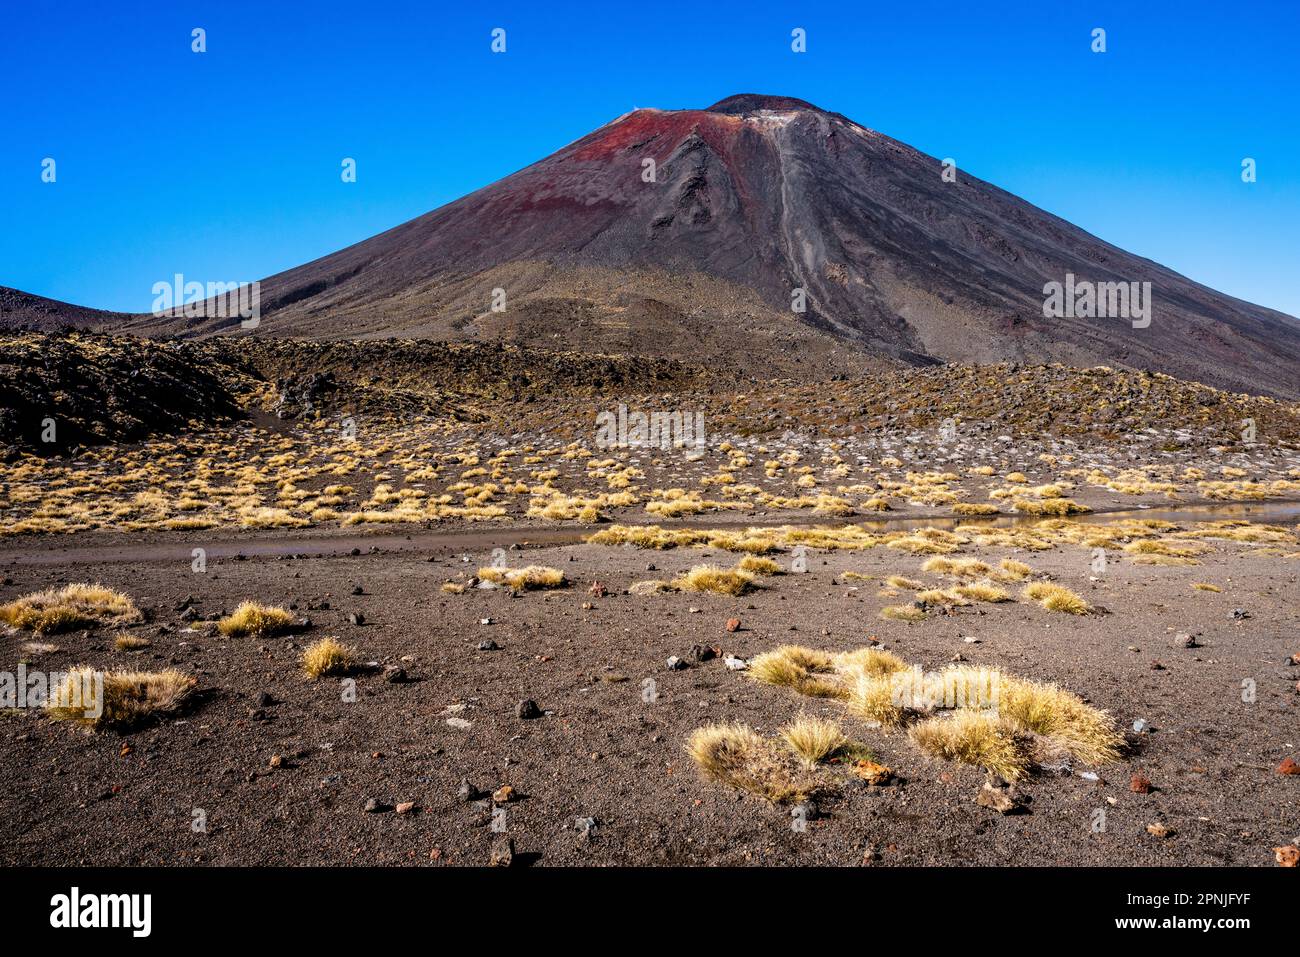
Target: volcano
694,233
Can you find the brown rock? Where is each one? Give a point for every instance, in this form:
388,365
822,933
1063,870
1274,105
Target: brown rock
1141,784
996,799
405,807
503,852
733,624
873,773
1160,829
503,794
1288,766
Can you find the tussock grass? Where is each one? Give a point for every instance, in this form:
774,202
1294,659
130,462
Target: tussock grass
70,607
1056,598
958,567
812,738
1206,586
130,643
983,591
1011,570
801,669
1085,732
255,621
921,546
528,578
898,581
1049,506
974,508
711,578
938,596
129,698
871,696
758,566
908,613
737,756
875,662
329,656
972,737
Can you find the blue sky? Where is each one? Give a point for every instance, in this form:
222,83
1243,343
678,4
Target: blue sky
225,165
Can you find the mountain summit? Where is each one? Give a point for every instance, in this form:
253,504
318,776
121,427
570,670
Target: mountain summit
696,232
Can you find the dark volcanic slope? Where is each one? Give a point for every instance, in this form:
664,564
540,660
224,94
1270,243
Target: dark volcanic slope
753,197
23,310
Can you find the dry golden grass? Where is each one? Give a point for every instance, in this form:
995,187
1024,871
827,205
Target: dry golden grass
871,697
735,755
869,661
329,656
974,508
70,607
800,669
130,643
812,738
129,698
972,737
711,578
940,596
958,567
983,591
255,621
453,588
1061,717
1056,598
758,566
899,581
1050,506
1012,570
1206,586
908,613
528,578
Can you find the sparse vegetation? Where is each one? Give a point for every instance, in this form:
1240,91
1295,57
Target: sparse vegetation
70,607
124,700
251,620
1056,598
528,578
711,578
328,656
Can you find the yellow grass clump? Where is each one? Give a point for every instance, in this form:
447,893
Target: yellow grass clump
908,613
812,738
527,578
130,643
1061,717
711,578
68,608
329,656
972,737
871,696
735,755
974,508
959,567
124,700
759,566
801,669
255,621
899,581
1056,598
1050,506
1206,586
982,591
1012,570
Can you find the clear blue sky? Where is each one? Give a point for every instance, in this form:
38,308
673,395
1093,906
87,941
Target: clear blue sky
225,165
